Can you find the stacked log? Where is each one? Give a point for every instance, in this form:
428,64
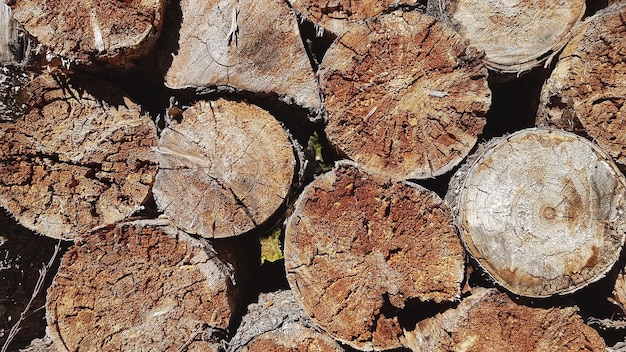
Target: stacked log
162,204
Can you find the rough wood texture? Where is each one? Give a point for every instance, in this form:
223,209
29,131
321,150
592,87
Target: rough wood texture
489,321
224,169
8,34
81,157
339,15
541,211
112,31
251,45
586,92
277,323
357,250
404,96
144,285
44,344
515,35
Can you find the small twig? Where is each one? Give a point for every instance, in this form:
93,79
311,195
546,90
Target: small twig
38,286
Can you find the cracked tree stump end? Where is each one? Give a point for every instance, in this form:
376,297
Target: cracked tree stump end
404,96
515,35
79,158
541,211
144,285
247,45
586,92
277,323
489,321
339,15
111,31
358,249
224,169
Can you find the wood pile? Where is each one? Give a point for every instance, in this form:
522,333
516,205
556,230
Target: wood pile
303,175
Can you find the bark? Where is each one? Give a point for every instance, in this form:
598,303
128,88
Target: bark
277,323
541,211
80,158
489,321
587,89
404,96
516,36
145,285
225,168
358,249
251,45
340,15
81,31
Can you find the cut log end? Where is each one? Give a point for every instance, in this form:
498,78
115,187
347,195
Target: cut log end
113,31
224,170
173,289
489,321
541,211
587,89
80,158
357,250
405,96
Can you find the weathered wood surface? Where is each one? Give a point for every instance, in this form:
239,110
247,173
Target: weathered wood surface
541,211
340,15
516,36
357,249
489,321
586,92
144,285
251,45
277,323
224,169
81,31
404,95
79,158
8,34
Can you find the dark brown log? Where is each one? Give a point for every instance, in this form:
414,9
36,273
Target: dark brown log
247,45
586,92
489,321
541,211
357,249
112,31
277,323
515,35
225,169
144,285
81,157
404,95
339,15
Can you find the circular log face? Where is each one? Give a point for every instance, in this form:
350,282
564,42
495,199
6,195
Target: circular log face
143,286
81,29
542,211
337,16
224,169
587,88
515,35
404,95
356,250
79,158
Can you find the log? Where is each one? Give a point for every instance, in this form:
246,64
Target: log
8,34
404,96
587,89
489,321
84,31
79,158
277,323
516,36
541,211
145,285
358,249
338,16
224,169
247,45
